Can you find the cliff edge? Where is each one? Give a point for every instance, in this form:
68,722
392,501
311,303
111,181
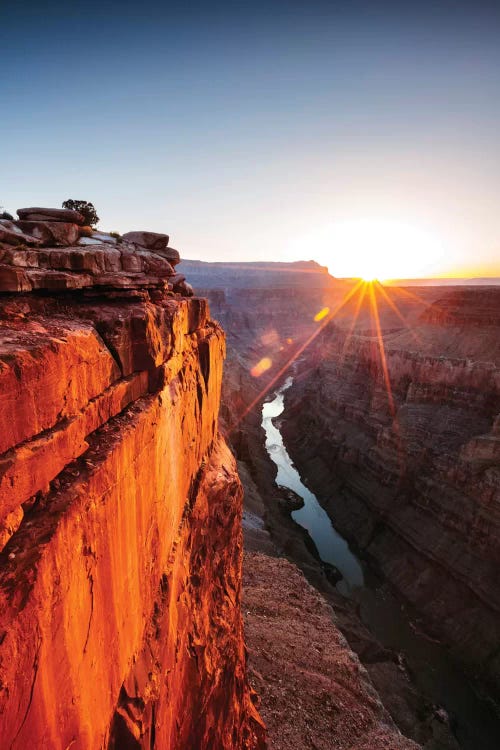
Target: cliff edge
120,504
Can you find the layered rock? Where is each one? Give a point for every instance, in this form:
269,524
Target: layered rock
399,437
120,505
48,248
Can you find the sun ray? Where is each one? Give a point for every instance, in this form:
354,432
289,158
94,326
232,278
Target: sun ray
380,289
383,359
406,293
385,370
297,353
359,302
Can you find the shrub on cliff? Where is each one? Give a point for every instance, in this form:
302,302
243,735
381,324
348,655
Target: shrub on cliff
85,208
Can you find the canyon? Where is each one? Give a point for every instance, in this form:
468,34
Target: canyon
399,437
121,509
411,483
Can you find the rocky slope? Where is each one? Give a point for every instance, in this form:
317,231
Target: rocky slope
301,666
120,506
402,446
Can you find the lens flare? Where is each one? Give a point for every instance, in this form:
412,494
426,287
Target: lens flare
321,314
261,367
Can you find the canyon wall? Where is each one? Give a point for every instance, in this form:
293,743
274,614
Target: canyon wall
399,436
120,506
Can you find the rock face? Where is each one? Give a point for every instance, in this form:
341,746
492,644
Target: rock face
402,446
120,505
52,232
12,234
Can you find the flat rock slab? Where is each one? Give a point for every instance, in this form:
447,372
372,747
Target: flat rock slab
89,241
104,237
51,232
50,214
149,240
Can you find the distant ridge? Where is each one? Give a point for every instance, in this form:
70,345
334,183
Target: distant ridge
480,281
258,274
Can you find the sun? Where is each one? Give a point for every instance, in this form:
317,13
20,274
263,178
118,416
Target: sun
374,249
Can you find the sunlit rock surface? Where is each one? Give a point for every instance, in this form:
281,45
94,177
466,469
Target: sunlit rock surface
120,505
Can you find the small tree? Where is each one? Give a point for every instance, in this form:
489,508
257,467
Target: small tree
85,208
5,214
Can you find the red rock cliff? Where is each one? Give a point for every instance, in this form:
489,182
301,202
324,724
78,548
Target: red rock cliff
120,570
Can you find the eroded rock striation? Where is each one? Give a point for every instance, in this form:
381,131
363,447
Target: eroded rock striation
120,504
402,445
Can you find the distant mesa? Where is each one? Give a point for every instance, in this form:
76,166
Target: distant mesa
257,275
53,249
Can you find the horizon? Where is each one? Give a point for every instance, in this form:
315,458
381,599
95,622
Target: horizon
363,137
445,280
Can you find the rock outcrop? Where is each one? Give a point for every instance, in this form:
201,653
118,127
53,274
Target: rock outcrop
120,505
78,257
402,445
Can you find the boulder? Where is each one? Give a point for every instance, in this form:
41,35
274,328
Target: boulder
154,265
11,234
149,240
184,288
177,279
51,214
170,253
51,232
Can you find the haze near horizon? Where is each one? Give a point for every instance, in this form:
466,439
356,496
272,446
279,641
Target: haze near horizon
362,136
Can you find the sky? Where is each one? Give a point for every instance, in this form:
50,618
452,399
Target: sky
362,135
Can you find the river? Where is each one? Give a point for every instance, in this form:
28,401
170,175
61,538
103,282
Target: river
475,724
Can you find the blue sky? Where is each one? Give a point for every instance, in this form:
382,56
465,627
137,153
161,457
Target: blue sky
246,131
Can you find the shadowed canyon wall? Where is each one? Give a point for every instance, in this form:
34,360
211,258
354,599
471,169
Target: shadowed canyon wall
402,445
120,506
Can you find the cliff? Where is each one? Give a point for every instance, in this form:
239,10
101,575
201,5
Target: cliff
120,505
403,450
